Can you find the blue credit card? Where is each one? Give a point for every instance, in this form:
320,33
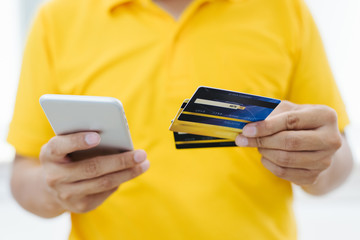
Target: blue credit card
213,111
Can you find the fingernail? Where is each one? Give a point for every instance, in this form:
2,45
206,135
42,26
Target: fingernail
139,156
145,165
249,131
241,141
92,138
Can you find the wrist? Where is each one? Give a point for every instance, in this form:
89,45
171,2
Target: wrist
51,207
29,188
320,187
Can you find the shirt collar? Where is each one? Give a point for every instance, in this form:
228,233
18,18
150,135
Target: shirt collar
111,4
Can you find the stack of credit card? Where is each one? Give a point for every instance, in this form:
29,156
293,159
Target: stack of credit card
214,117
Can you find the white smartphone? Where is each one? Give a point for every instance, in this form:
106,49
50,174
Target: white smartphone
105,115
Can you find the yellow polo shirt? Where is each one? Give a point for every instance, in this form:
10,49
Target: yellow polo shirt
134,51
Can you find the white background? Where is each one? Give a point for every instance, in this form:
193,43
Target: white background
336,216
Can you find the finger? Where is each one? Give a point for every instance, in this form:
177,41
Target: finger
296,175
287,141
59,146
284,106
102,165
91,202
309,117
306,160
103,183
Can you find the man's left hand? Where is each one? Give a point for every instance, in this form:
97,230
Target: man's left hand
297,142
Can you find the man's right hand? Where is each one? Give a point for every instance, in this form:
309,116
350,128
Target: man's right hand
81,186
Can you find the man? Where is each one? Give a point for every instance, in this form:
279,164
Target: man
151,56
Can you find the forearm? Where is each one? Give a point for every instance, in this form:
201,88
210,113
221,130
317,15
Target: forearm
336,174
29,188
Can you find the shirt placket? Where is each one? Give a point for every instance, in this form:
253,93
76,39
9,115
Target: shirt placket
176,70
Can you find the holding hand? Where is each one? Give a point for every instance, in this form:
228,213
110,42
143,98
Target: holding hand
297,142
81,186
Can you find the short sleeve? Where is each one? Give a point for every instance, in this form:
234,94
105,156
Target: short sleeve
313,81
29,128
